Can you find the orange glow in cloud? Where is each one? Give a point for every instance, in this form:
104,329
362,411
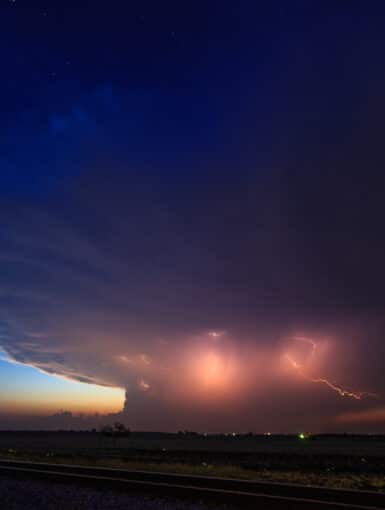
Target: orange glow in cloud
212,371
206,369
210,368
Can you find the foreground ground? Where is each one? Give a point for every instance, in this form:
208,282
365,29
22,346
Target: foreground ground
14,495
343,462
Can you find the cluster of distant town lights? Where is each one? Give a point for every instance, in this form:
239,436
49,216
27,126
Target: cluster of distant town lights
301,435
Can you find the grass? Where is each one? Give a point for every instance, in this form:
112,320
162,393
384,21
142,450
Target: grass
326,477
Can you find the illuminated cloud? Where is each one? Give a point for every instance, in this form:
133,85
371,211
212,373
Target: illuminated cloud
373,416
110,288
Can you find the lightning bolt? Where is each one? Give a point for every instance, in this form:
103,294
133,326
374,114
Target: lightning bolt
300,369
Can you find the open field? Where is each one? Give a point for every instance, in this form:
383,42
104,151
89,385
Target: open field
371,446
335,461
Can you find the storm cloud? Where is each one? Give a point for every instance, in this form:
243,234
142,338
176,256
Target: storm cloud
130,282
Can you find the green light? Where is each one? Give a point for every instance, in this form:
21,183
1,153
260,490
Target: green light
302,435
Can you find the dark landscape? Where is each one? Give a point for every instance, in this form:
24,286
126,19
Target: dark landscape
345,461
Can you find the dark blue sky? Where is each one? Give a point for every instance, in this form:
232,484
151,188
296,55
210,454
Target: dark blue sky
181,167
270,83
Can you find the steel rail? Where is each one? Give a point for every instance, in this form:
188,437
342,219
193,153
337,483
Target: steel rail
236,493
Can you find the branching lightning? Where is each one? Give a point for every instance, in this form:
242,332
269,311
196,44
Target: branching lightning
301,370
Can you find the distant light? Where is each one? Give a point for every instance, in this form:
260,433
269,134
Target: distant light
146,360
301,436
143,385
234,434
267,434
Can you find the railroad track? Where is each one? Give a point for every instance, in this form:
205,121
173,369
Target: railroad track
235,493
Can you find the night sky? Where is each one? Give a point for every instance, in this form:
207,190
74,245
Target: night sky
192,201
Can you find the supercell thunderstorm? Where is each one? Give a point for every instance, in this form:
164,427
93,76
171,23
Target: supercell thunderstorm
165,314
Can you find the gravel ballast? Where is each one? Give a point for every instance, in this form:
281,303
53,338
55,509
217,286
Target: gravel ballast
38,495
